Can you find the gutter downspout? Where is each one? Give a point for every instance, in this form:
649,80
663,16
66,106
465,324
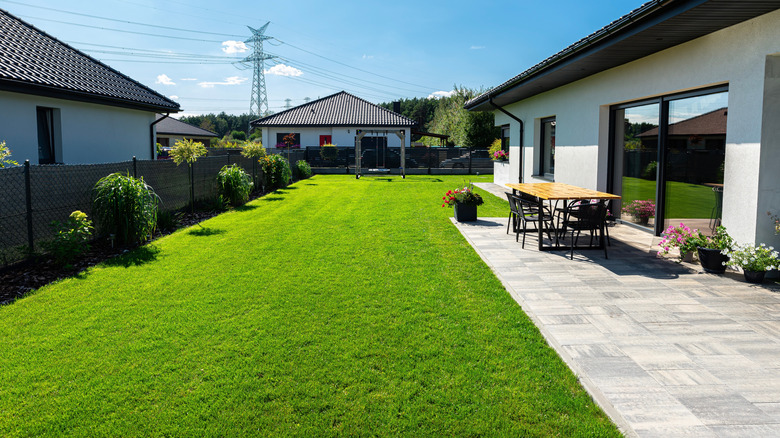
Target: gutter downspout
151,133
522,131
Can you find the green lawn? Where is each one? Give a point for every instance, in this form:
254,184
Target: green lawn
684,200
333,307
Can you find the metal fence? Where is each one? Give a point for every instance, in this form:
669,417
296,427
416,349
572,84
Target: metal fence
32,196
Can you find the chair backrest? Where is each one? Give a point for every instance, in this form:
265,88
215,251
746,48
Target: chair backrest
528,207
589,215
513,207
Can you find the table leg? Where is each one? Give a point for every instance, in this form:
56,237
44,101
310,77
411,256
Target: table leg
541,222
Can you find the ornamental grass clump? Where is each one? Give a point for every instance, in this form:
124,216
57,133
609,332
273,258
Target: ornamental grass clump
125,207
753,258
464,195
302,170
234,185
681,237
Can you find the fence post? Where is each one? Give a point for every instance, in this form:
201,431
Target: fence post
192,187
135,168
28,202
471,152
430,158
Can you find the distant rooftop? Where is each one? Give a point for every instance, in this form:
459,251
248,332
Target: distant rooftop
33,62
171,126
340,109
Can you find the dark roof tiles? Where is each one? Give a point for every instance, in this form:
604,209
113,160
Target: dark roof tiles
31,58
340,109
171,126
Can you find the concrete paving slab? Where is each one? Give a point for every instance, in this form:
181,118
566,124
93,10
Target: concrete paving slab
664,348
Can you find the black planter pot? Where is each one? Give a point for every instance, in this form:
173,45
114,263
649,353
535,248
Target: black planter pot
754,276
712,260
465,213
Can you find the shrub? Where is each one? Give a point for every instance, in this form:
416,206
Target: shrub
187,150
650,170
71,238
125,207
168,220
234,185
4,154
329,152
276,172
238,135
302,170
253,150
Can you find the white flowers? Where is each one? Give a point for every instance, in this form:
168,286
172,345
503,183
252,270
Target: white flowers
753,258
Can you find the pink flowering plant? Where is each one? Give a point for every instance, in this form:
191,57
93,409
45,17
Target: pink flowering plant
500,156
640,208
681,237
463,195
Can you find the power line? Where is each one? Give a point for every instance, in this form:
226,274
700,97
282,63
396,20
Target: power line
122,21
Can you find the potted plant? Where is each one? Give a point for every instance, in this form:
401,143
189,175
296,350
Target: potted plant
680,237
641,210
465,201
712,250
754,261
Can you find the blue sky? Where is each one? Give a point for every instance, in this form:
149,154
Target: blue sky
378,50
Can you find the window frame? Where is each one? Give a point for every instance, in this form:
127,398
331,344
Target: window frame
543,152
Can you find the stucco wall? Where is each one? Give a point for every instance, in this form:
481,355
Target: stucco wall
89,133
735,56
341,136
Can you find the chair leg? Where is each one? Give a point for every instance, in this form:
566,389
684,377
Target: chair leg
606,229
603,227
508,222
525,231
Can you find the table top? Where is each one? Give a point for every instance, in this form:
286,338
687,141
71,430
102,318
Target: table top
560,191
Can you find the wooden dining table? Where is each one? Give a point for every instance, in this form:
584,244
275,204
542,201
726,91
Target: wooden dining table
554,191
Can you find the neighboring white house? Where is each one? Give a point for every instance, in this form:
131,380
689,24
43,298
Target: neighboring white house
639,108
170,130
59,105
335,119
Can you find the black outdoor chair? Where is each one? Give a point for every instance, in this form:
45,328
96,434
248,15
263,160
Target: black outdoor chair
560,213
583,216
514,212
529,213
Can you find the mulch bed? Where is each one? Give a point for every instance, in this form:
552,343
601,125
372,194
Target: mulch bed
18,279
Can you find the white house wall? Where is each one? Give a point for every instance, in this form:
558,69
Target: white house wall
341,136
735,56
88,133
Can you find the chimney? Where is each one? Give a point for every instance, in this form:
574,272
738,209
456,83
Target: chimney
397,107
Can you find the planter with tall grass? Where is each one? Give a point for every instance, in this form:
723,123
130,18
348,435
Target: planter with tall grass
125,207
234,185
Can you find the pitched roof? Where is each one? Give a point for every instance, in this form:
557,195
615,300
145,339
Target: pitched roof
711,123
34,62
172,126
340,109
652,27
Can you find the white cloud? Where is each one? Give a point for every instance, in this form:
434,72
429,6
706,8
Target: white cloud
165,80
234,47
477,47
173,97
188,79
283,70
233,80
440,94
368,56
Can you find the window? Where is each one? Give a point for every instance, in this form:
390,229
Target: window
47,145
280,143
505,138
326,139
547,148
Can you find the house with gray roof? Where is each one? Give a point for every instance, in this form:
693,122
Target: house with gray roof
59,105
336,119
676,103
170,130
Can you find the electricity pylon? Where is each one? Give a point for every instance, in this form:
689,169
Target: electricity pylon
258,106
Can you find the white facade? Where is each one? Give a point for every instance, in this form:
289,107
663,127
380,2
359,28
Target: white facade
84,133
340,136
745,57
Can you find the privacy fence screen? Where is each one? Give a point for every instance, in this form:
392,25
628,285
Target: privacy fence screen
32,196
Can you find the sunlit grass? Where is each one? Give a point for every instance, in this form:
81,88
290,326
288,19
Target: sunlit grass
333,307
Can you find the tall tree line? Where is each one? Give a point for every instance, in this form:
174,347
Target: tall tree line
221,123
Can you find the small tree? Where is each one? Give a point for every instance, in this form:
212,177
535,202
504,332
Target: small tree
189,151
4,154
238,135
255,151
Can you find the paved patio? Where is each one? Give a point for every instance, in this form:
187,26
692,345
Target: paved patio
664,348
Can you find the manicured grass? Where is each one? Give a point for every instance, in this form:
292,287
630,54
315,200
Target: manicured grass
684,200
333,307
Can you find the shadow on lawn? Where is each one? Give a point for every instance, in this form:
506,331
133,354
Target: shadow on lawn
415,179
136,257
245,208
205,231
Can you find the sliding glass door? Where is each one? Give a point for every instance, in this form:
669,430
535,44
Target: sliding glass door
667,160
